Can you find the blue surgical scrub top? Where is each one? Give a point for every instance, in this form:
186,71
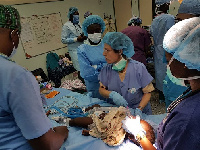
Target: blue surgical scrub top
180,129
90,58
136,78
22,116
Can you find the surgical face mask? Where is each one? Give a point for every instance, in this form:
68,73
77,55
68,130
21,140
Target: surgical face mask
181,80
75,19
174,79
13,51
95,38
120,65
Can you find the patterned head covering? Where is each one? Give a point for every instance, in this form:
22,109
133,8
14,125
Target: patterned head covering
72,10
9,18
135,20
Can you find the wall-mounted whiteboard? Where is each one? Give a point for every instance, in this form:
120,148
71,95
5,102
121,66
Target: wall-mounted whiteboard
41,34
15,2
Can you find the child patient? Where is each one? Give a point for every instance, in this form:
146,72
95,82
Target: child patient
108,126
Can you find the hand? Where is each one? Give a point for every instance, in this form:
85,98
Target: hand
133,126
118,99
138,112
80,39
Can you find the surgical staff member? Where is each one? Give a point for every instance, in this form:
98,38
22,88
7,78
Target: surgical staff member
160,25
180,129
173,87
124,81
90,54
140,38
23,122
72,35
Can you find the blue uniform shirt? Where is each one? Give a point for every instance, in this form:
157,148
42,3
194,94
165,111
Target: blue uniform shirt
22,116
180,130
136,78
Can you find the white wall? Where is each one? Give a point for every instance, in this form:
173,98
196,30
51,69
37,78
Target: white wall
97,7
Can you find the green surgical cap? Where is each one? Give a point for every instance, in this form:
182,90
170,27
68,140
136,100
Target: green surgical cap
9,18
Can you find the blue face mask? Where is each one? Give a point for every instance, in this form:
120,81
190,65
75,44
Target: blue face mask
75,19
174,79
120,65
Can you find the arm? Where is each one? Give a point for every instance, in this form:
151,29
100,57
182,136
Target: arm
65,35
87,71
102,90
52,140
145,99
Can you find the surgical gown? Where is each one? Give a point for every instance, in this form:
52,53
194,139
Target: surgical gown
69,33
136,78
91,62
180,130
171,91
160,25
22,116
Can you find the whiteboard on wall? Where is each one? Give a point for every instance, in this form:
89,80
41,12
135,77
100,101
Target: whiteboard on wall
41,34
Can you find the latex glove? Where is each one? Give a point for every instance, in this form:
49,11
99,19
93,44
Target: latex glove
118,99
133,126
138,112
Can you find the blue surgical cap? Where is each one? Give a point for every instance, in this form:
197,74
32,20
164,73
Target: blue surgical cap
92,19
134,20
190,7
119,41
182,40
161,2
72,10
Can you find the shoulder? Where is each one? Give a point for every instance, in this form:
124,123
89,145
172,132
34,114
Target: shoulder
136,64
82,48
107,69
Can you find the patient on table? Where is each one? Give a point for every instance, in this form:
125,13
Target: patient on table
107,125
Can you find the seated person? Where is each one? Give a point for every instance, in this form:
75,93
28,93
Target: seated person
108,126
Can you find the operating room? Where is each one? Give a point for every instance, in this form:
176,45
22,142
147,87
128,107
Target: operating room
101,72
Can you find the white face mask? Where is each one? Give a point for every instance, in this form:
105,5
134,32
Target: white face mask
13,51
95,38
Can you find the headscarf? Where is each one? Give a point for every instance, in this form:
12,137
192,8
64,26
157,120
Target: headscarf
72,10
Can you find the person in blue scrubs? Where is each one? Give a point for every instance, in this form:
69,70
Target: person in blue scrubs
180,129
72,35
23,121
90,54
124,81
160,25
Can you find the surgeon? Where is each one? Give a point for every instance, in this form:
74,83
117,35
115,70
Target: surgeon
173,87
160,25
124,81
180,129
140,38
90,54
23,122
72,35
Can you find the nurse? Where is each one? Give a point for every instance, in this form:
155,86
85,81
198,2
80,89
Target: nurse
160,25
124,81
180,129
72,35
90,54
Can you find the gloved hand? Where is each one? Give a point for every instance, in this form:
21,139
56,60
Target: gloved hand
118,99
133,126
138,112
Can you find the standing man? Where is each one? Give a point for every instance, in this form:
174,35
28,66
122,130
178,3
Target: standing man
72,35
23,122
160,25
140,38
